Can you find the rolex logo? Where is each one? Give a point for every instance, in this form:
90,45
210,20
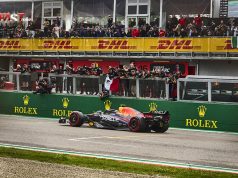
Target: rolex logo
65,102
153,107
26,100
107,104
202,111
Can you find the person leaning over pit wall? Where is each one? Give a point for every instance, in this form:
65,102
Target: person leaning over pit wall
43,87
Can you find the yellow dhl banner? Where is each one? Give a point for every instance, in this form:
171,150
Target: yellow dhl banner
120,44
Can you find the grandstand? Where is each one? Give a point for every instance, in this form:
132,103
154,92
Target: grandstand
146,47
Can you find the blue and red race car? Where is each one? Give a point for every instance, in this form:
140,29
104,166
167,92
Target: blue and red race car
122,119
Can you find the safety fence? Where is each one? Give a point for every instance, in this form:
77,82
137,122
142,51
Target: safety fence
86,85
205,88
191,88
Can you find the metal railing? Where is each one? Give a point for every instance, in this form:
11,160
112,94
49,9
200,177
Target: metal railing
93,85
211,89
154,88
75,84
191,88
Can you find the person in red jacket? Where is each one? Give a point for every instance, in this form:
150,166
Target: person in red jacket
135,32
182,21
198,21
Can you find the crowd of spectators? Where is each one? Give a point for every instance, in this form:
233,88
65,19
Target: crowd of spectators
85,85
175,27
122,71
185,27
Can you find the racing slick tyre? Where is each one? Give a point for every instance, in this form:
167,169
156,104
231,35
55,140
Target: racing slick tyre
136,124
76,119
160,127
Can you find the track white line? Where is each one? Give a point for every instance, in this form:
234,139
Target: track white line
105,143
106,137
128,159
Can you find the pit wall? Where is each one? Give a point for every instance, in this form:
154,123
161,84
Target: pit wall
189,115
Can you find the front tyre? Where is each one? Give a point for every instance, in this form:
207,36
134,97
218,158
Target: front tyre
160,127
136,124
76,119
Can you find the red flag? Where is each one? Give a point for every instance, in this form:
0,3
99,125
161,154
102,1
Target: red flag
114,87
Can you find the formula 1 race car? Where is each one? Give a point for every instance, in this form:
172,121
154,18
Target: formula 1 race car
122,119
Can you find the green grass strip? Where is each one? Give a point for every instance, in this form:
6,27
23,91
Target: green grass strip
110,165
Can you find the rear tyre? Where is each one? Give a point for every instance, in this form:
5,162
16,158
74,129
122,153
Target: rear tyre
160,127
76,119
136,124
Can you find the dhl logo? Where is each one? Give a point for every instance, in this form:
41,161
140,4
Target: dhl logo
13,44
175,44
58,44
228,45
113,44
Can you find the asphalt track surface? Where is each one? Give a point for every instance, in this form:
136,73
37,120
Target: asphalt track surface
178,146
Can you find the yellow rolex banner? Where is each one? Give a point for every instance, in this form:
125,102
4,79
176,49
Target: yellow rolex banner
202,45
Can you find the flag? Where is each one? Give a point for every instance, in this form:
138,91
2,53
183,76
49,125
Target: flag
115,85
234,42
111,84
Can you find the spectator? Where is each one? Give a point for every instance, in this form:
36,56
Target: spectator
17,69
135,32
143,32
69,71
152,32
182,21
235,31
174,28
177,30
109,21
43,86
198,21
56,31
58,80
96,71
132,73
46,25
23,34
25,77
129,33
31,29
172,85
169,29
222,29
174,22
123,33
